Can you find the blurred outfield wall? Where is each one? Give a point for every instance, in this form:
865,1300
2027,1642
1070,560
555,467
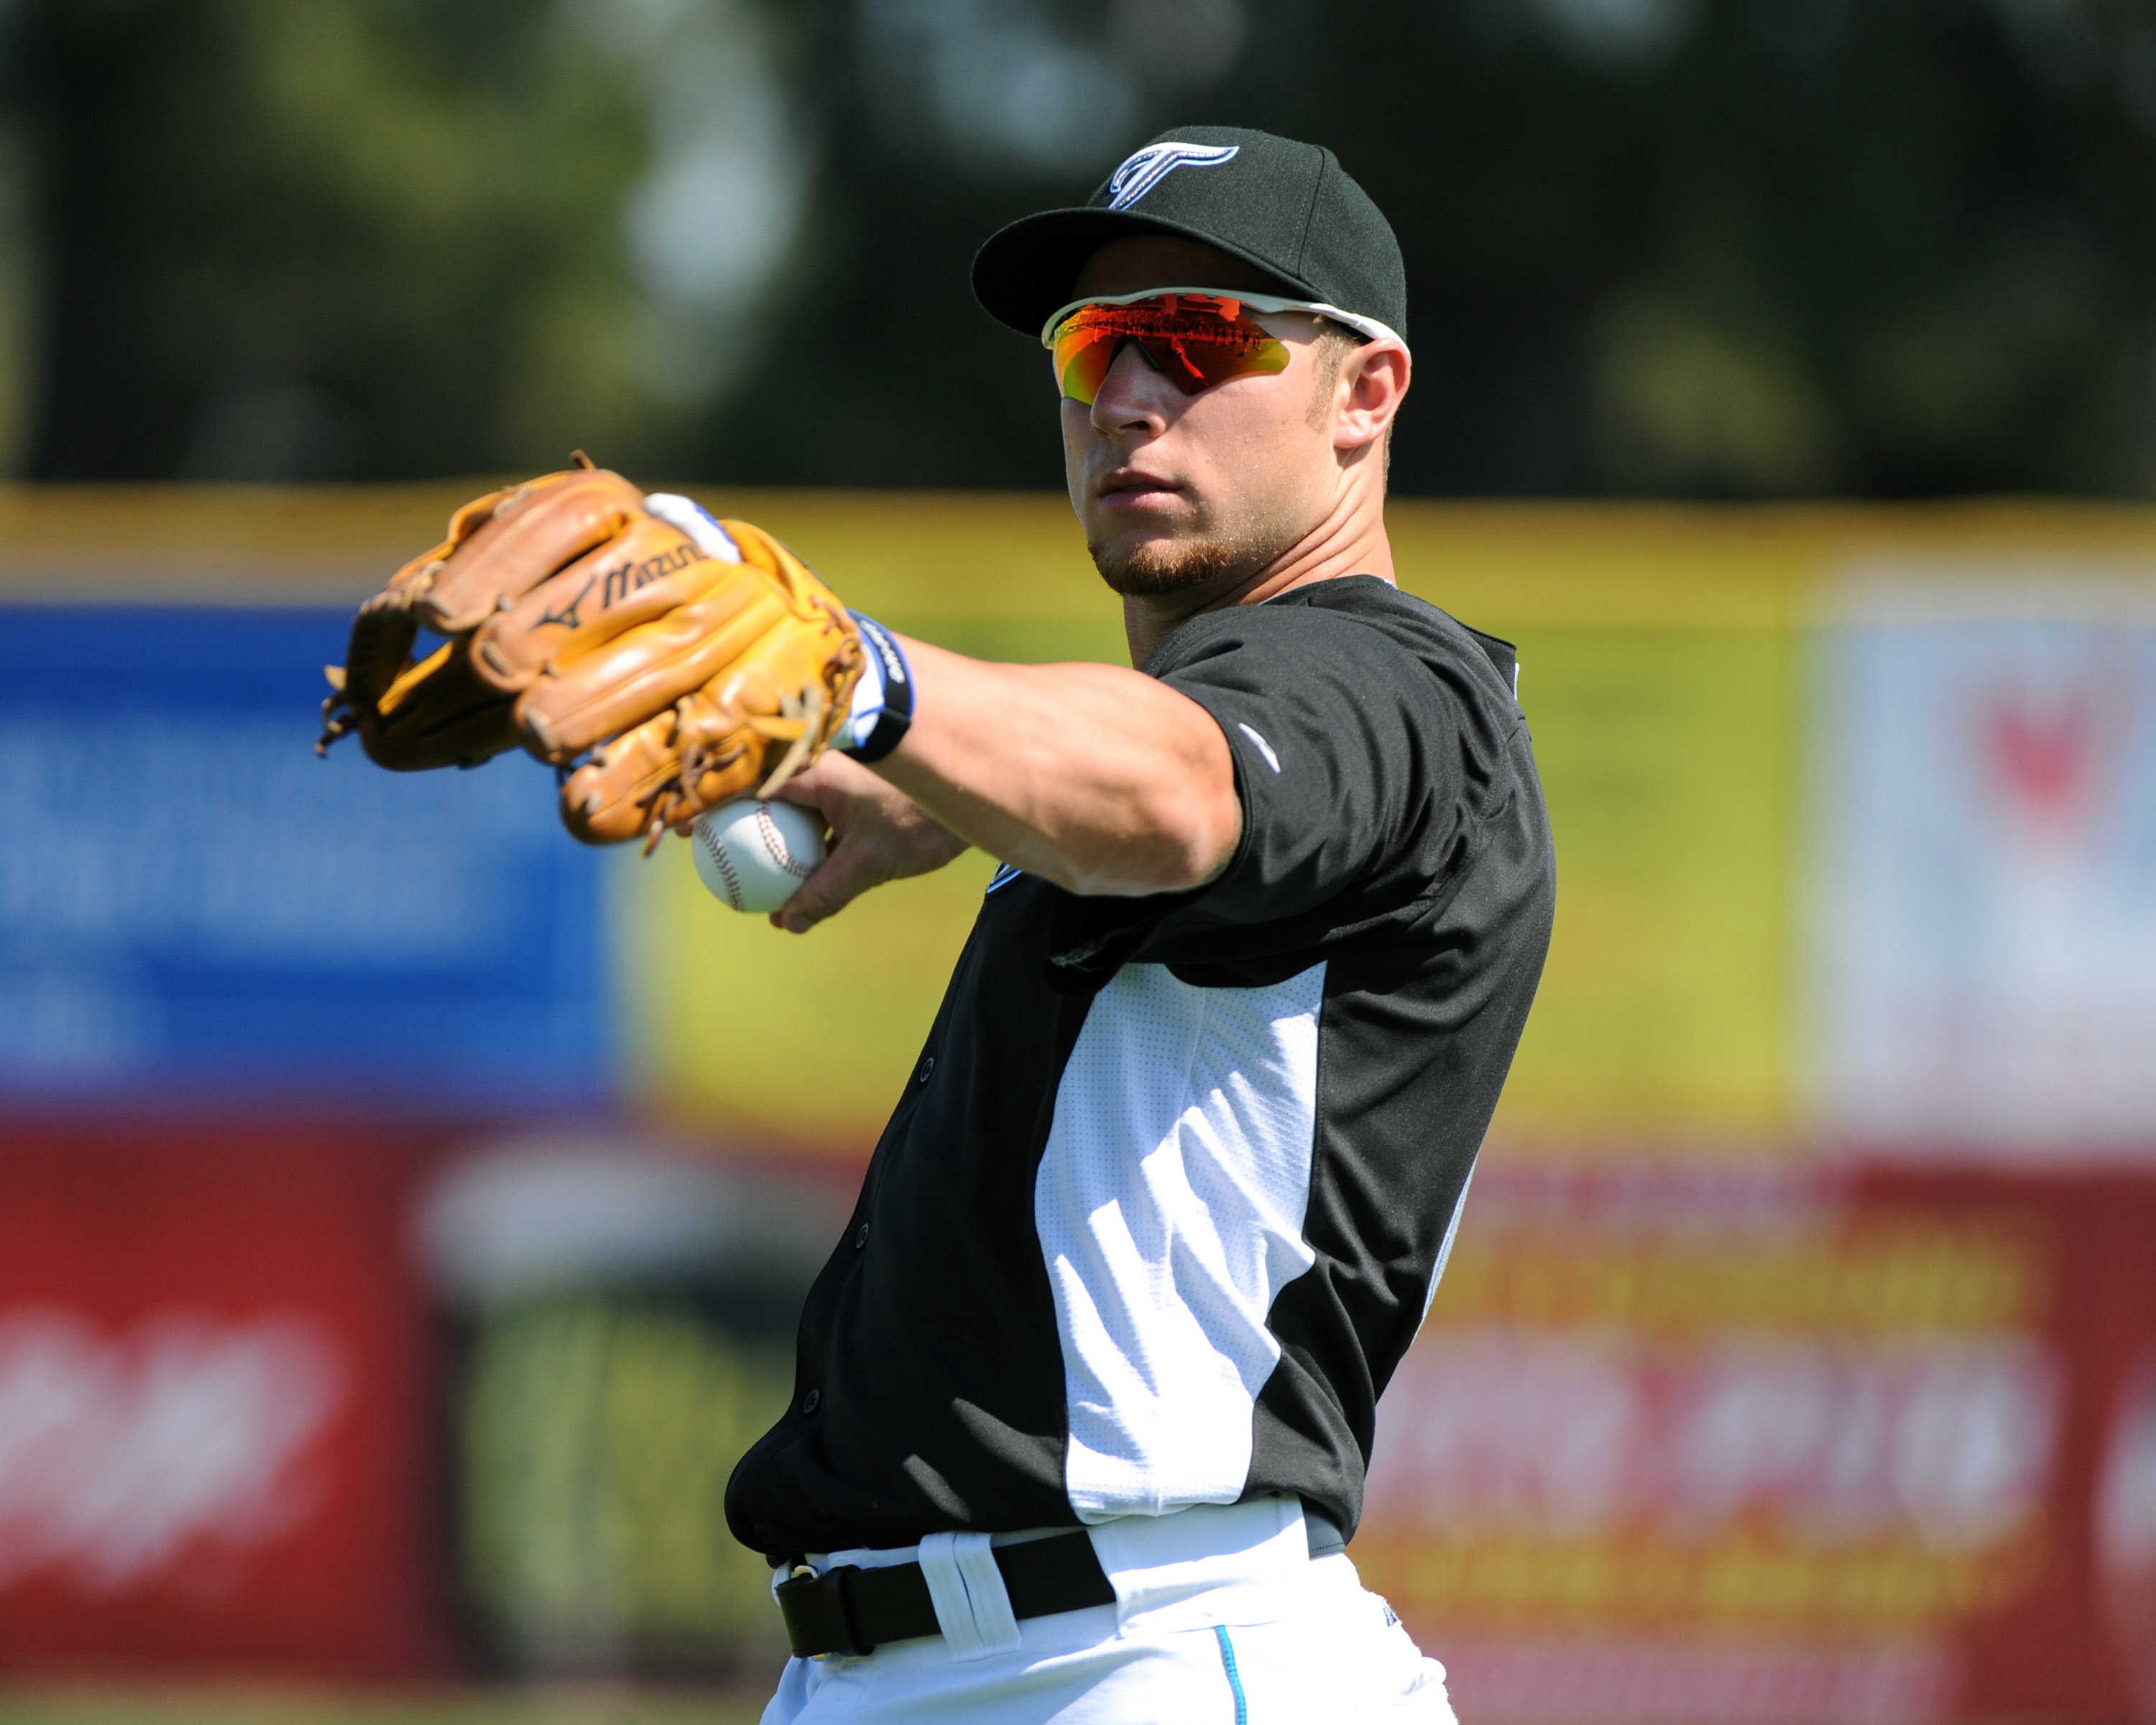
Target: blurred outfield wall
1688,677
1682,670
1799,1358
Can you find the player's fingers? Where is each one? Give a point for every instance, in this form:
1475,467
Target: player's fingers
821,897
807,789
851,869
827,784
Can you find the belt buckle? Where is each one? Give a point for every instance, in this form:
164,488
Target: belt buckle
818,1612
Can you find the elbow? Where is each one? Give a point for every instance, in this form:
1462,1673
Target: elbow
1176,847
1198,849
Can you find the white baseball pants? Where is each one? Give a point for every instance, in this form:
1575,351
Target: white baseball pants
1220,1615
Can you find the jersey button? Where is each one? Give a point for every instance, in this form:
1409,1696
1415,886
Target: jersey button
810,1402
927,1066
860,1236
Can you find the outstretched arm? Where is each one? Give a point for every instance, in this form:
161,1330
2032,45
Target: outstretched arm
1096,778
1099,778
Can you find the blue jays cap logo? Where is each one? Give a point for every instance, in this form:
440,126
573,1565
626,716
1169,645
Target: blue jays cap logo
1150,166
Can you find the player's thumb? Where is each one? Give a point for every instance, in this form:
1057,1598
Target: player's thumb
839,878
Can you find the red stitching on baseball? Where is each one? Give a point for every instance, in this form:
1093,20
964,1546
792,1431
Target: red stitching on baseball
718,852
774,841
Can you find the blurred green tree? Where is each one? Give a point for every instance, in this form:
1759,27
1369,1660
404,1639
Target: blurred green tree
336,240
1717,247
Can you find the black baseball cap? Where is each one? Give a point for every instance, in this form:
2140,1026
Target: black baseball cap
1290,209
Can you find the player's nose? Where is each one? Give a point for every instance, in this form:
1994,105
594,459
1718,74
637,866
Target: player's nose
1134,396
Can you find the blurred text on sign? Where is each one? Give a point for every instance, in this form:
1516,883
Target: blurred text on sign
215,1401
191,902
119,1454
1661,1425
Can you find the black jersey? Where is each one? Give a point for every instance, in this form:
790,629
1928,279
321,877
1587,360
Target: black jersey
1173,1182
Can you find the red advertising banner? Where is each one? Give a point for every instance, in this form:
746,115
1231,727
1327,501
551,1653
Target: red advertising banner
1674,1448
219,1435
1758,1451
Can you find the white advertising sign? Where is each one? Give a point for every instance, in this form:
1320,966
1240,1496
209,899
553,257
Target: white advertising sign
1983,915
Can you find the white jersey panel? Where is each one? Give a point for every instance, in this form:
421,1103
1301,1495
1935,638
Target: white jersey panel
1170,1205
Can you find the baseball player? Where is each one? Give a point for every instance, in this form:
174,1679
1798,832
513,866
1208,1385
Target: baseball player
1084,1395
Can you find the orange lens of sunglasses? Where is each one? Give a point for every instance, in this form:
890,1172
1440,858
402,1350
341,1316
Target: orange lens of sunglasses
1193,341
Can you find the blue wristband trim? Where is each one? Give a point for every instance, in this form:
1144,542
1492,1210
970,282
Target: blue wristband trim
888,722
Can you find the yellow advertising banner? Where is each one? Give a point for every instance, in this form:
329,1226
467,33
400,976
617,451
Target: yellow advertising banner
804,1041
1663,673
1669,656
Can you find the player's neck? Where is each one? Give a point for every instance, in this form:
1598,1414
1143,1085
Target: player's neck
1351,541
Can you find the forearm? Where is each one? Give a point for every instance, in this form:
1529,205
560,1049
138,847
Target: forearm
1099,778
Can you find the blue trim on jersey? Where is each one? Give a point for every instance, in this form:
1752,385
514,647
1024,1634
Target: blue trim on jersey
1234,1678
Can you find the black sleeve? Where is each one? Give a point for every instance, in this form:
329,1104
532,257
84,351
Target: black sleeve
1347,763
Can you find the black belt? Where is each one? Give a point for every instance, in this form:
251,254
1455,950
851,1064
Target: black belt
847,1609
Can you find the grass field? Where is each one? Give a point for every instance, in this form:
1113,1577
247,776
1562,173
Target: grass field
548,1705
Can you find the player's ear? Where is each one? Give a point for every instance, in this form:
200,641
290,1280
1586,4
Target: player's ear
1377,375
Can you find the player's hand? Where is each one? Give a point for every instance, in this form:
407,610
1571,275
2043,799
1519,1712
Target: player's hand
878,833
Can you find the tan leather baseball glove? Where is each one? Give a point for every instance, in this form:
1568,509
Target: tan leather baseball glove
663,661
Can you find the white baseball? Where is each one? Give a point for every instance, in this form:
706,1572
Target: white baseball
751,855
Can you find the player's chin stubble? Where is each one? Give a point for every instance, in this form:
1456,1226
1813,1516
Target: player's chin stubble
1156,568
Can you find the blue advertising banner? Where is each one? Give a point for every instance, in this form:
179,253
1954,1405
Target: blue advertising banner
192,904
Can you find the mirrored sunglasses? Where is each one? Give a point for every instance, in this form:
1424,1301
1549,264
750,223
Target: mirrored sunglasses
1195,337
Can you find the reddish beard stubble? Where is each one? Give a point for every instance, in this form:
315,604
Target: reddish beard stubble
1156,568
